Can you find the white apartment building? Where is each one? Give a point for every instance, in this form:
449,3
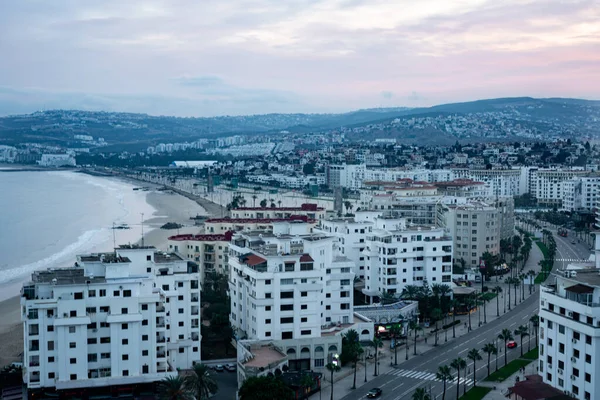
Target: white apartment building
349,176
475,229
550,184
57,160
569,333
124,318
310,210
581,194
501,182
397,174
293,292
351,234
210,251
463,188
299,224
399,255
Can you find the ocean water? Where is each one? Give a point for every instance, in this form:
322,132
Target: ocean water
46,218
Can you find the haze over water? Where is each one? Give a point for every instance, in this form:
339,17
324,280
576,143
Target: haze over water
46,218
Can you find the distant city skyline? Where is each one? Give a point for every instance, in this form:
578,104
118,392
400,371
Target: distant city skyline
209,58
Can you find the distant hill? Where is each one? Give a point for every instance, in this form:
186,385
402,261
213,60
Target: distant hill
484,119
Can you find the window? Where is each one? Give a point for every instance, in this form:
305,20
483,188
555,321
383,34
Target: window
92,357
561,348
303,294
92,341
268,308
72,329
268,321
287,335
105,356
126,293
287,295
304,319
72,345
286,307
305,332
72,361
588,339
561,329
287,320
144,322
287,281
180,311
91,293
105,309
124,310
105,340
267,296
50,359
125,357
144,307
144,352
51,345
116,293
144,369
50,328
125,341
102,292
73,377
267,282
319,362
125,372
181,350
588,358
124,326
268,334
588,377
180,323
304,307
50,375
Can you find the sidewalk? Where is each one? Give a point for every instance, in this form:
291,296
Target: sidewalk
501,388
343,380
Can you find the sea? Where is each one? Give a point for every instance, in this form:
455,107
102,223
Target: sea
48,217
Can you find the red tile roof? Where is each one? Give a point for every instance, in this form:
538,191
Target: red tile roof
253,259
306,258
303,207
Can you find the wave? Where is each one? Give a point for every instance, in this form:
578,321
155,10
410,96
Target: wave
64,256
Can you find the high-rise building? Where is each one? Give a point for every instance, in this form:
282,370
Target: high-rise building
569,332
129,317
398,255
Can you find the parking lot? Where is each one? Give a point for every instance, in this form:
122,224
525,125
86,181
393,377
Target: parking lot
227,382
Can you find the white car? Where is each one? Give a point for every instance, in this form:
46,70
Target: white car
230,367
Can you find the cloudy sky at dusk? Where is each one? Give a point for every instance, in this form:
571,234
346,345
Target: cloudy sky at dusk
215,57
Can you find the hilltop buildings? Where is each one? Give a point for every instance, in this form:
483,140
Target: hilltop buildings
112,322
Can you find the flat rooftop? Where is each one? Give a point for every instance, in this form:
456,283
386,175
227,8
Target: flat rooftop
264,356
162,258
108,258
588,276
64,276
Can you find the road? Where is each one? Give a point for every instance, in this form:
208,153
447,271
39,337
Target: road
419,371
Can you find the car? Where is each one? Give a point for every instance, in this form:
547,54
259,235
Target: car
230,367
374,393
219,368
511,344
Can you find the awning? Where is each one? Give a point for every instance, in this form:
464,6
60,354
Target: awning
579,288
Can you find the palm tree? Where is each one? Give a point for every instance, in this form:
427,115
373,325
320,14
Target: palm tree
377,343
174,388
351,345
489,348
474,356
201,382
457,364
421,394
522,331
436,315
455,303
505,335
508,281
469,302
483,300
331,367
535,322
279,202
395,332
516,283
415,327
410,292
254,197
531,274
497,290
444,374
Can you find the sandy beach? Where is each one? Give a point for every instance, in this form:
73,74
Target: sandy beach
169,206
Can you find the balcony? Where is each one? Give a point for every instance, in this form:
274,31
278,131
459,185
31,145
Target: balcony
160,309
34,361
161,354
195,298
195,311
34,348
161,340
195,337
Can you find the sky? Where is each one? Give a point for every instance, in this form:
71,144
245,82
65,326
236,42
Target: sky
215,57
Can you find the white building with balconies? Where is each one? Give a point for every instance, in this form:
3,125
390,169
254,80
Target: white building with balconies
130,317
398,255
569,332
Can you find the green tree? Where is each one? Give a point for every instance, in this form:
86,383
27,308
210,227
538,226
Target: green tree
306,382
444,374
377,343
522,331
174,388
421,394
352,350
331,367
458,364
415,327
505,335
497,290
474,356
535,323
436,315
201,382
489,349
308,169
263,203
395,332
265,388
348,206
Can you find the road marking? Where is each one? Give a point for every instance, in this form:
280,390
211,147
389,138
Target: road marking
465,350
481,341
394,389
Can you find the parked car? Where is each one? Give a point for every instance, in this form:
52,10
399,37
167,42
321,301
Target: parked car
230,367
374,393
511,344
219,368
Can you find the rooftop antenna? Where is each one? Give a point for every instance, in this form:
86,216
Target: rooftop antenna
142,229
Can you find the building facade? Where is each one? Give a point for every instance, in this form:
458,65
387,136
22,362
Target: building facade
124,318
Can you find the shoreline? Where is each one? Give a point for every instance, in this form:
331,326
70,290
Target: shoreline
169,207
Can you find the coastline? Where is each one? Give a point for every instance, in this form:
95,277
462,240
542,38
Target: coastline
168,206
